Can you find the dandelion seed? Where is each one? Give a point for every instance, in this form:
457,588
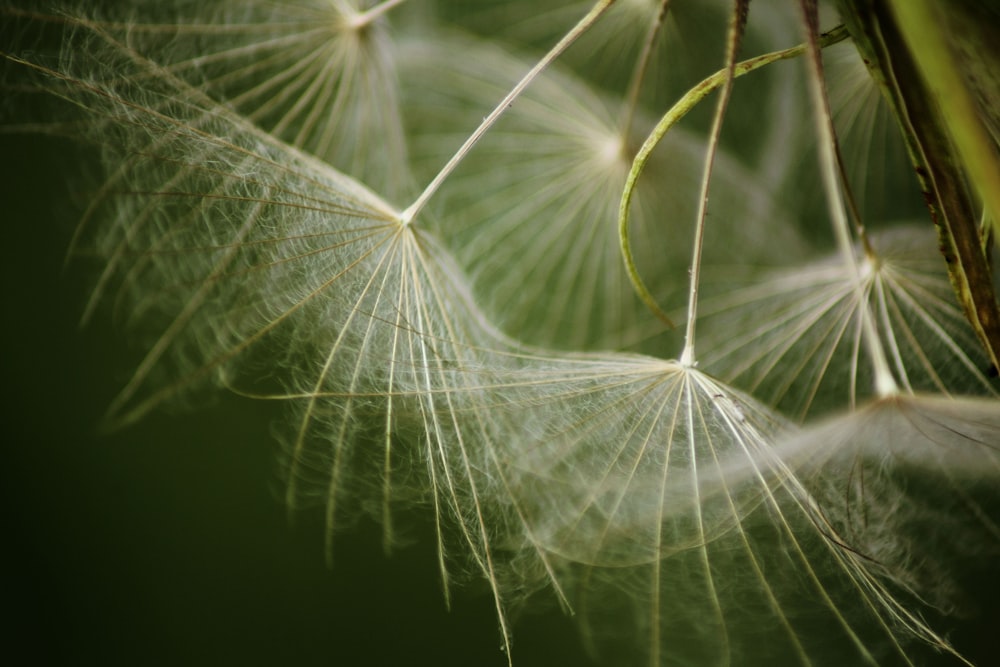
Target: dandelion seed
256,260
274,275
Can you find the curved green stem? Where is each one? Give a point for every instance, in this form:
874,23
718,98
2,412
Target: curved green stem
671,118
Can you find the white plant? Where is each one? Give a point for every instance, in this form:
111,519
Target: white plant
468,350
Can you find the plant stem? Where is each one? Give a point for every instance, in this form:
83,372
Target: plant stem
635,84
411,212
680,109
737,26
365,18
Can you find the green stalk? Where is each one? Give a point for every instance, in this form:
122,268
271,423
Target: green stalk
680,109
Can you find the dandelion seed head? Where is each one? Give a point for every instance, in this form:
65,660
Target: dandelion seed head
867,268
610,150
805,352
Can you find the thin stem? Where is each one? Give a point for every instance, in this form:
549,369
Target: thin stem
885,383
407,216
635,84
852,206
735,35
368,16
671,118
